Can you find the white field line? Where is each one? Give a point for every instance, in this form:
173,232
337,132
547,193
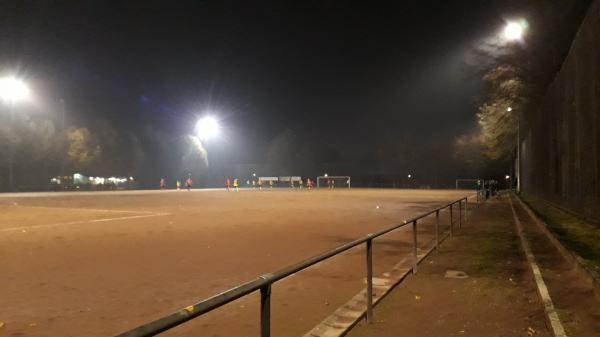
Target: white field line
86,209
557,327
25,228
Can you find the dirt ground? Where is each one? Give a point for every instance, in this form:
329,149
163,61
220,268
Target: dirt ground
97,264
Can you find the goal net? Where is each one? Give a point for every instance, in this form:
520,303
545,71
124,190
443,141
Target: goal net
333,181
468,184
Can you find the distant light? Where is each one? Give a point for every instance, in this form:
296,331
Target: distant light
77,175
130,178
509,109
507,177
13,89
513,31
326,175
254,174
409,176
207,127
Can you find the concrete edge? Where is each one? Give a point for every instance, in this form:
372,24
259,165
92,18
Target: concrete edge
551,315
344,318
571,257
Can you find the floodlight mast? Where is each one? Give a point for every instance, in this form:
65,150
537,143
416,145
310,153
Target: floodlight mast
12,90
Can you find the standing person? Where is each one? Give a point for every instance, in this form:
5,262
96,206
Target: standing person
227,184
270,183
178,184
188,183
332,184
235,184
309,183
260,184
163,184
300,183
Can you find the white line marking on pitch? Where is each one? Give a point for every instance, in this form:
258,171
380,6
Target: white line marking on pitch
82,221
86,209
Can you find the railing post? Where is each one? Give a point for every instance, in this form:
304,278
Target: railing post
466,209
459,214
265,311
437,229
451,221
369,279
414,226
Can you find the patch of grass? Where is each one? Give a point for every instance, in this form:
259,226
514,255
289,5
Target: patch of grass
493,249
575,234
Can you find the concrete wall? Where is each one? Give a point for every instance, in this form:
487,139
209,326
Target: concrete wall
561,145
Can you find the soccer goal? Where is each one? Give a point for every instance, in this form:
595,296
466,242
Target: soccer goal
468,184
333,181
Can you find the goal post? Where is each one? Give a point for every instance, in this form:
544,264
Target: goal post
468,184
333,181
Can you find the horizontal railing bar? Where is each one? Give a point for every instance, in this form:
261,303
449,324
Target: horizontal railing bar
188,313
167,322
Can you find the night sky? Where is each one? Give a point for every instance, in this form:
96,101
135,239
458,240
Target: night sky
341,77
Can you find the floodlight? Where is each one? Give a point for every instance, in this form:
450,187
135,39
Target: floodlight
507,177
409,176
207,127
509,109
13,89
513,31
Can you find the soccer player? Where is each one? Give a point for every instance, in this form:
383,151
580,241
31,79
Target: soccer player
188,183
309,183
235,184
270,183
227,184
163,184
178,184
260,184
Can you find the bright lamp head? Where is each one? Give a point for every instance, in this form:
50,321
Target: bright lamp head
207,128
513,31
13,89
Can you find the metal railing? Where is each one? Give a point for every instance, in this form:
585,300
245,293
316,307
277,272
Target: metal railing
264,283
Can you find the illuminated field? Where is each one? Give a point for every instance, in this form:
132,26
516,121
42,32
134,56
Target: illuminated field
96,264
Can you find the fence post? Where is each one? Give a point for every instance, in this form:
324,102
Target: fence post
265,311
459,214
451,221
437,230
414,226
466,209
369,279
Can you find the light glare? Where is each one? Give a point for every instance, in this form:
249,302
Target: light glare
12,89
513,31
207,127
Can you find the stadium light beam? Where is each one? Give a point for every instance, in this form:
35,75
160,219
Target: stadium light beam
13,89
207,128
